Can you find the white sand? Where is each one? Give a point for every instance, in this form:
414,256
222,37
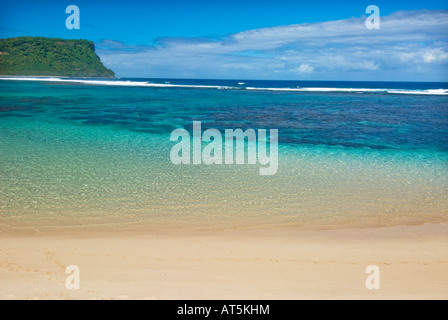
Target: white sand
138,263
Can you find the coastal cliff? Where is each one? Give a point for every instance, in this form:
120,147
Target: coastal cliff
40,56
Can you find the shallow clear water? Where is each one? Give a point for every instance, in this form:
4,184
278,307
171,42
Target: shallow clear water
75,153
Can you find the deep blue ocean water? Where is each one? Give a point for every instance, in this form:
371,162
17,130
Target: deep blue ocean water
374,119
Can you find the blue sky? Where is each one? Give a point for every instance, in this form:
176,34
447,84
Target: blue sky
283,39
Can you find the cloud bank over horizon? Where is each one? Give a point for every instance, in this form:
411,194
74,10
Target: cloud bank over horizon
410,45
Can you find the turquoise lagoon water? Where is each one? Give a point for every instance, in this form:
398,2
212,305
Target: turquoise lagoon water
87,152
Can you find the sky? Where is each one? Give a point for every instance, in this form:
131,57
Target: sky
281,40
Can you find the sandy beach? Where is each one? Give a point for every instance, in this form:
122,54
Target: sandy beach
138,262
259,151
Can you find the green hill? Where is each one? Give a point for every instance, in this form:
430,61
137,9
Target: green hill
39,56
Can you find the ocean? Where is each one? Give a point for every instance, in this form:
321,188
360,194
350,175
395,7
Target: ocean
95,151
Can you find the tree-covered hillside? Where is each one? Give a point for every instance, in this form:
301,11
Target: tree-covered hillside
39,56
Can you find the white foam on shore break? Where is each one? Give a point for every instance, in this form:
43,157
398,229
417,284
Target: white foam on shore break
428,91
169,85
126,83
392,91
320,89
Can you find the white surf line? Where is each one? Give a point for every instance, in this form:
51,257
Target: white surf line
126,83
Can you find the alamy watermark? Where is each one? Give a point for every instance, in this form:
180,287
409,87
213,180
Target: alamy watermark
72,21
373,280
212,152
373,21
73,280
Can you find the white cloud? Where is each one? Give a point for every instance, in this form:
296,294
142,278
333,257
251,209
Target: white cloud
304,68
429,57
435,55
410,45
